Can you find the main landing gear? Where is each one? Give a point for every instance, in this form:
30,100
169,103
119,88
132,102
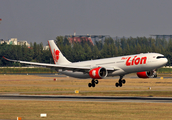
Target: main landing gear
93,83
121,81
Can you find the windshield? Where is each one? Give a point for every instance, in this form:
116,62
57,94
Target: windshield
158,57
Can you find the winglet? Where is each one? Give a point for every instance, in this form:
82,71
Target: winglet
5,58
10,59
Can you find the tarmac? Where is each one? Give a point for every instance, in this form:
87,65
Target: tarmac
87,98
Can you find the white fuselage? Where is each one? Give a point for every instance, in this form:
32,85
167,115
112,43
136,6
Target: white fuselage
123,64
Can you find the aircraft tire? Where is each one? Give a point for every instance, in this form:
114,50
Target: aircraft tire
155,76
116,84
93,85
96,81
120,84
89,84
123,81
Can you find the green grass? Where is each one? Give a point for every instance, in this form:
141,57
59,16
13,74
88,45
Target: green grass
165,70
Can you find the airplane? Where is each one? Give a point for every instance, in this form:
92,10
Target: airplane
144,64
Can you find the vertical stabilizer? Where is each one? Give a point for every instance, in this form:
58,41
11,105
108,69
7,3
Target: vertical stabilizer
56,53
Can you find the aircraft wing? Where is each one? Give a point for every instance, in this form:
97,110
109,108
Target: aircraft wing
63,67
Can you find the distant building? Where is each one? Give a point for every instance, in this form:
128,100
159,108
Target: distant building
91,38
23,43
14,41
2,41
46,47
162,36
80,39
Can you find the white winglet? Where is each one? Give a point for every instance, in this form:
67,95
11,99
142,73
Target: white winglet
56,53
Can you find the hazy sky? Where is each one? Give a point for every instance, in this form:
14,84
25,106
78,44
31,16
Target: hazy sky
41,20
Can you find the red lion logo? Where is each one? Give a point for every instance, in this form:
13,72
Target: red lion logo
56,55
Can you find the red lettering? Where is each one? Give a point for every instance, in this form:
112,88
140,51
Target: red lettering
136,61
133,60
143,60
127,62
124,58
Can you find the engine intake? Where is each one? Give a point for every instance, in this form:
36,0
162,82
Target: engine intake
98,73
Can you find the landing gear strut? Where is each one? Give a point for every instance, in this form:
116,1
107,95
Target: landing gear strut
121,81
155,76
93,83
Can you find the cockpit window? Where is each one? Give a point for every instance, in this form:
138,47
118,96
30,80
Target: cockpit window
158,57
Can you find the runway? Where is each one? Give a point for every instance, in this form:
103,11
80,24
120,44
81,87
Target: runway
87,98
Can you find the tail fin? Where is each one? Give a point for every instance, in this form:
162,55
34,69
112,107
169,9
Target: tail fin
56,53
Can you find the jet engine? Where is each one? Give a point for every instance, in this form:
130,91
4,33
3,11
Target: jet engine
147,74
98,73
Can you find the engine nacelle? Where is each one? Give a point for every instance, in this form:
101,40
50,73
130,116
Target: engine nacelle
98,73
146,74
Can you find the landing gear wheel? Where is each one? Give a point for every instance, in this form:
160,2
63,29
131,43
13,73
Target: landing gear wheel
93,85
155,76
96,81
116,84
89,84
123,81
120,84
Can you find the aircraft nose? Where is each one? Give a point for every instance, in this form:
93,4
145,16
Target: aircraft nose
165,61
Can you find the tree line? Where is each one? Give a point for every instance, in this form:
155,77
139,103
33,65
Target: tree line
34,53
85,50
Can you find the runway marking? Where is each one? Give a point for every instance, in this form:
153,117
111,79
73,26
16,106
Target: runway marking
87,98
